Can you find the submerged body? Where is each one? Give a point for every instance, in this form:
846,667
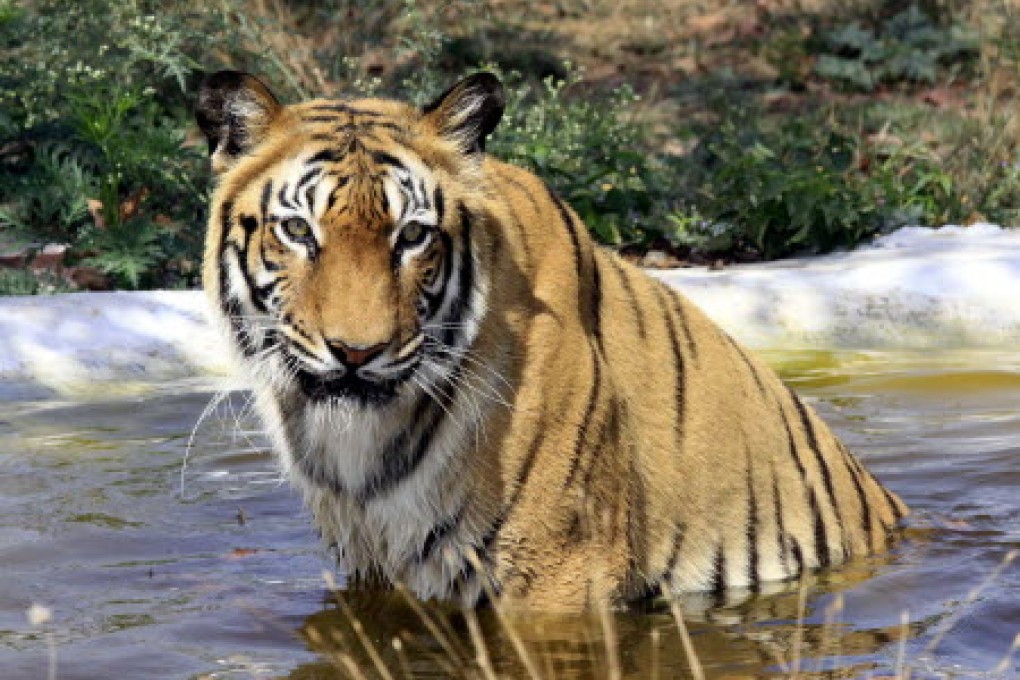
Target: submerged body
473,397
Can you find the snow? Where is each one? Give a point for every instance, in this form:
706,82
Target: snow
916,288
67,343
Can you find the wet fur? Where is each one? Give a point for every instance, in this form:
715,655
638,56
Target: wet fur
590,434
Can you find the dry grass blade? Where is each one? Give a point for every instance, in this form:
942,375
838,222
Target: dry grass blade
359,630
685,638
610,640
1003,666
398,648
351,667
434,629
901,648
515,638
654,668
441,662
481,651
971,598
798,635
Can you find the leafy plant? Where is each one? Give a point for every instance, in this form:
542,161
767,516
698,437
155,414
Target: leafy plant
128,250
27,282
908,47
806,186
590,152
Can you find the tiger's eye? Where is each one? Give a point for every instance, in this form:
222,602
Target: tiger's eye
296,228
413,233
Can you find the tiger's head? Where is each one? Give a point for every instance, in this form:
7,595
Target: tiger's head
340,247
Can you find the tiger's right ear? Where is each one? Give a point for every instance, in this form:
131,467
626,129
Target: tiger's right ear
234,111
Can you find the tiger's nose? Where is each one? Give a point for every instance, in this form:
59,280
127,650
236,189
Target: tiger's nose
354,356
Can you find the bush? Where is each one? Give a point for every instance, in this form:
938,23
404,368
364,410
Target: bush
589,151
804,187
907,47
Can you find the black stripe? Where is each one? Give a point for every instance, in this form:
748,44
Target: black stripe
397,463
861,496
798,554
747,362
520,480
780,523
821,539
242,262
267,192
307,177
383,158
685,324
281,196
680,390
893,505
440,206
753,567
422,196
339,107
607,426
676,543
320,119
596,301
589,411
635,307
818,526
327,156
522,234
569,224
465,281
249,224
440,531
300,349
368,128
719,574
822,464
434,298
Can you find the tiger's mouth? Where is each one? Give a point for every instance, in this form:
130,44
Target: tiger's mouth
330,387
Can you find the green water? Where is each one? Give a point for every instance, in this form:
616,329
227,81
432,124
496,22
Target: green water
225,580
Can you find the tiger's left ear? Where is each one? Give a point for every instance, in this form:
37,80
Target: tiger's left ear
234,111
469,111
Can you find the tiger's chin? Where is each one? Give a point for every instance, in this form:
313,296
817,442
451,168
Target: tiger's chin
350,389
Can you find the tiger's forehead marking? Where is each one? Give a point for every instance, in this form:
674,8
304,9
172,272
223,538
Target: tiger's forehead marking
375,187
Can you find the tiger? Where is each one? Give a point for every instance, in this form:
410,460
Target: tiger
476,401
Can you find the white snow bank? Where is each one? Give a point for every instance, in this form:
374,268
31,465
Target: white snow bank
914,289
67,342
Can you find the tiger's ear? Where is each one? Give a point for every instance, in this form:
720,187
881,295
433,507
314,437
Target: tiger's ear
469,111
234,111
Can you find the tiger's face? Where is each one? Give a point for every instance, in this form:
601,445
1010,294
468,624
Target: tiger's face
343,250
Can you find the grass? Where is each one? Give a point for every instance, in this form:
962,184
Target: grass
407,639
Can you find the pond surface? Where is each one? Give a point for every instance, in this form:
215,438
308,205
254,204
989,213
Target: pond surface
225,580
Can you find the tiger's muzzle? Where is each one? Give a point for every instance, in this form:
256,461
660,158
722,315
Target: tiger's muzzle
367,376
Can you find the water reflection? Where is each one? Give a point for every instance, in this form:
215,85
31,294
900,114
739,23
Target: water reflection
225,579
791,629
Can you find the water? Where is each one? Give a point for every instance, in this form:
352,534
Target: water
226,579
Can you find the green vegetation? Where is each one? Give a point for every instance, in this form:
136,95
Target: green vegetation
907,47
755,136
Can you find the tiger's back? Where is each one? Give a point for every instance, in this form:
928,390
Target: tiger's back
474,397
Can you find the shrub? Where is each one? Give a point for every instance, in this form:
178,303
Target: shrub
806,186
909,46
591,152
